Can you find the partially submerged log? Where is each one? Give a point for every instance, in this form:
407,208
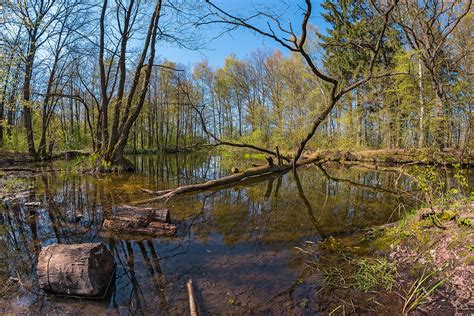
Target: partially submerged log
231,179
129,220
144,213
75,270
129,227
28,170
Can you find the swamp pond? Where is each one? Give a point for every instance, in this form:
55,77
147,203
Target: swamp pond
237,244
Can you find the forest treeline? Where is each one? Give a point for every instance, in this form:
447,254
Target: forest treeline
78,74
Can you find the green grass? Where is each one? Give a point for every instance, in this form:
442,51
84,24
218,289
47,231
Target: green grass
421,290
371,274
362,274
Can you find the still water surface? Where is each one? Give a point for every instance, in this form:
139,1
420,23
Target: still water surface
237,244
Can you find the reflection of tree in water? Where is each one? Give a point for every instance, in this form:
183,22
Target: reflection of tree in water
171,170
26,229
17,242
302,206
75,209
269,213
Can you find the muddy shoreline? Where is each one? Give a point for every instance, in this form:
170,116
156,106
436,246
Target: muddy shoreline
428,260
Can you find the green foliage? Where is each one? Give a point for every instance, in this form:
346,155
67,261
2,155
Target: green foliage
464,221
269,98
370,274
438,190
420,290
353,22
363,274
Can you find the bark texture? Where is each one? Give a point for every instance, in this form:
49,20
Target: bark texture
147,221
76,270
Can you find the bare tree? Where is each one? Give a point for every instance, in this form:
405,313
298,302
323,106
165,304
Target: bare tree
8,74
127,108
61,46
427,26
297,43
39,19
289,39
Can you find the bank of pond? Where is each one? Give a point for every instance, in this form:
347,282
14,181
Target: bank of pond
321,240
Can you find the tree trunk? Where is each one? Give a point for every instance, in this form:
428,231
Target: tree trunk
27,95
2,114
421,140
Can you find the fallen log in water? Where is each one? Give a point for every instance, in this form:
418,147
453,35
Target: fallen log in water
75,270
127,227
129,220
144,213
231,179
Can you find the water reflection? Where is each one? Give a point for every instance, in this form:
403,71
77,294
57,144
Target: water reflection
236,243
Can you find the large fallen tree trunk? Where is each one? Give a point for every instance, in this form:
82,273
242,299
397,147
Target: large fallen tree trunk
75,270
129,220
259,173
233,179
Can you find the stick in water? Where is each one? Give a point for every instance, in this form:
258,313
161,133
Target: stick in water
192,302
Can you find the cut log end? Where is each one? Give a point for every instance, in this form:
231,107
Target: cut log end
75,270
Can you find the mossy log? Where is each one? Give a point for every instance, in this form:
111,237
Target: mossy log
75,270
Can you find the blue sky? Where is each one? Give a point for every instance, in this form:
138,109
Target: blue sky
240,42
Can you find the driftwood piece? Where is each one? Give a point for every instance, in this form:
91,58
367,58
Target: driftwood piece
130,220
33,204
193,310
75,270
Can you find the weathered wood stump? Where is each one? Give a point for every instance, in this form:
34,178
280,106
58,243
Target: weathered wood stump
75,270
129,220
